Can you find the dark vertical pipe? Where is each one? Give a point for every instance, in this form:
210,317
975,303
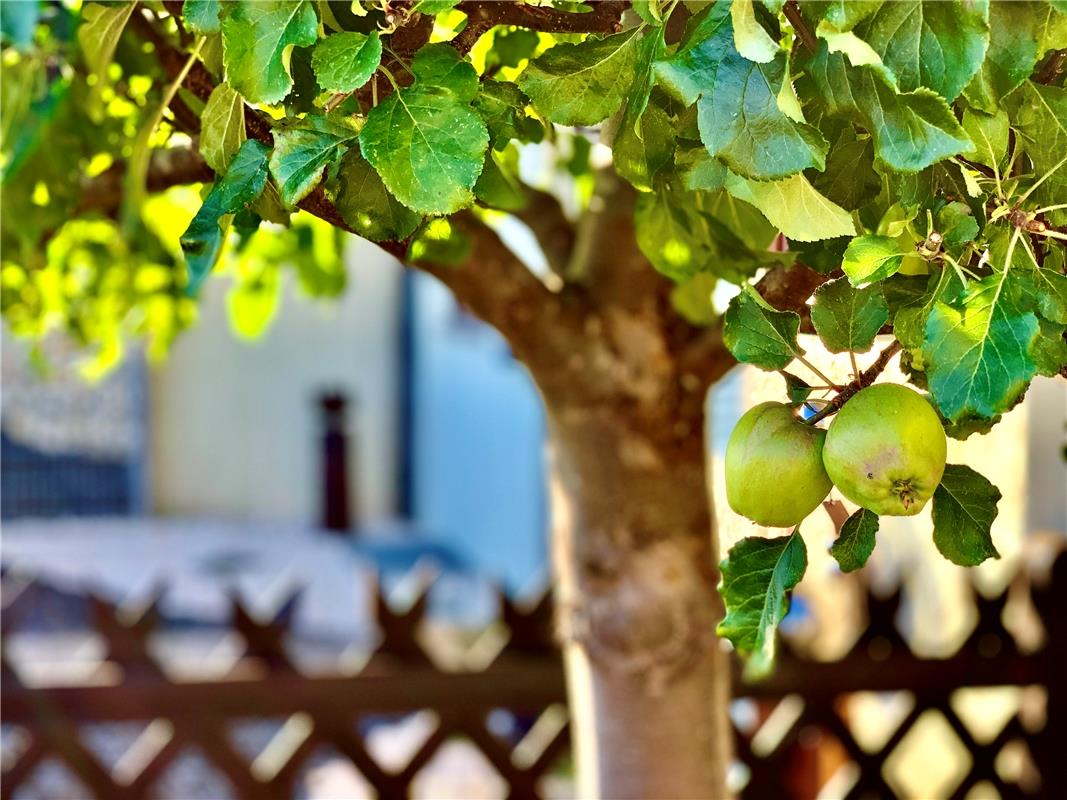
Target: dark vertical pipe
336,515
405,430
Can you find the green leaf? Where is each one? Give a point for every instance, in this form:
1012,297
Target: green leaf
957,225
750,39
755,333
757,576
849,179
692,67
255,39
234,192
933,43
698,169
222,127
855,543
871,258
345,61
502,106
648,11
301,154
202,16
846,14
977,351
849,44
740,122
645,138
366,205
672,233
846,318
1020,33
743,220
301,99
911,130
440,66
965,505
498,187
692,299
796,389
989,132
253,299
642,152
1050,291
439,242
269,206
1039,116
1049,349
794,207
582,84
101,27
428,147
909,321
739,117
510,47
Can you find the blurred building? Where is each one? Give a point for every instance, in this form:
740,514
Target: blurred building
445,430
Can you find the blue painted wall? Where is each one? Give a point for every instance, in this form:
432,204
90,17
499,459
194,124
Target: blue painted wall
477,457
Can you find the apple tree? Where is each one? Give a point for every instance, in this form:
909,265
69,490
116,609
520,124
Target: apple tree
887,176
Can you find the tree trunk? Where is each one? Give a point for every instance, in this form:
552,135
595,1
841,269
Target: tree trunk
635,556
624,380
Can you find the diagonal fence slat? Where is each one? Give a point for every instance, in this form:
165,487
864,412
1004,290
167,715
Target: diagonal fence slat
525,678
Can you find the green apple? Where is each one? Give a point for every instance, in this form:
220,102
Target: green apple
774,469
885,450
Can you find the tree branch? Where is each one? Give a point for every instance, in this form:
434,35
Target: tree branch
800,25
1052,68
785,288
543,215
172,167
788,289
497,287
865,379
707,356
484,15
501,290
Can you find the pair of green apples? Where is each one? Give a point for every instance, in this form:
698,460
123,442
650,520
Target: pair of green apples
885,451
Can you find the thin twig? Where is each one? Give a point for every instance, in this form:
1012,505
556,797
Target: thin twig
815,369
483,15
1050,71
865,379
800,25
335,101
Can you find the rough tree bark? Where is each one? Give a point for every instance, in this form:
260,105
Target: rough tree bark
633,537
634,552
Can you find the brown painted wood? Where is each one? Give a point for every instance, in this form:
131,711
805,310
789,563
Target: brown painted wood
525,678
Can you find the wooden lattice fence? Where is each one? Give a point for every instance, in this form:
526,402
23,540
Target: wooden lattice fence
795,735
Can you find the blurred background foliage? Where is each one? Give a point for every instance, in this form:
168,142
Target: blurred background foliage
73,260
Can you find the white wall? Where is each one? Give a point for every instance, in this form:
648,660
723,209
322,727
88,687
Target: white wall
234,425
1046,404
